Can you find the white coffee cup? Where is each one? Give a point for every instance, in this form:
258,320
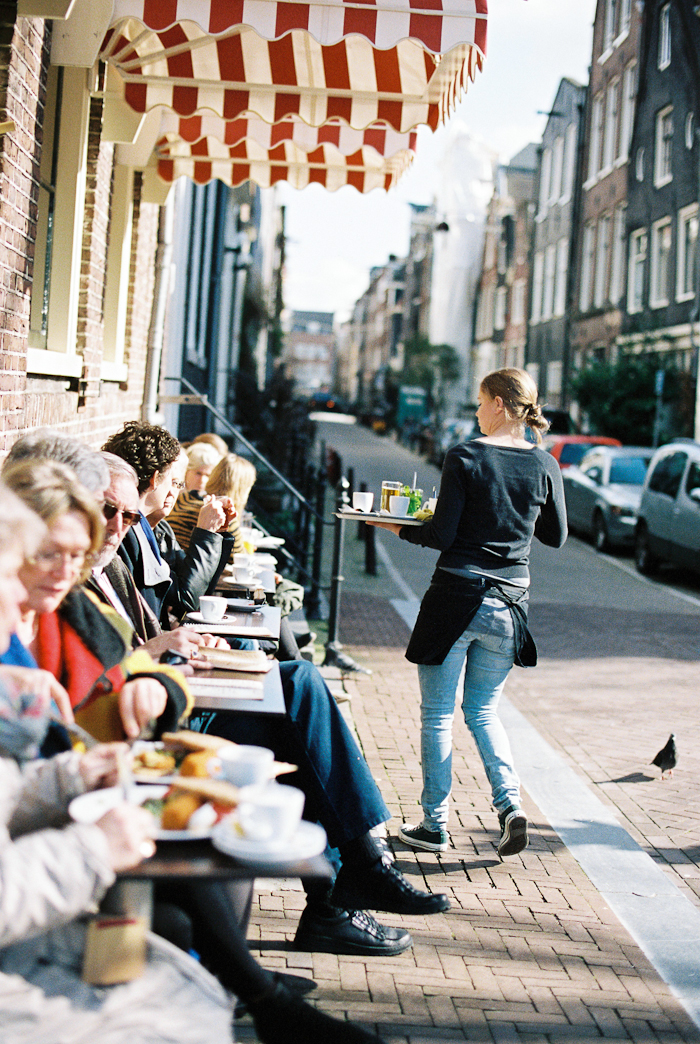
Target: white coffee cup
399,505
270,812
244,766
363,501
212,608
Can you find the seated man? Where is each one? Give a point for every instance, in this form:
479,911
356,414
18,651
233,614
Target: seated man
340,792
170,580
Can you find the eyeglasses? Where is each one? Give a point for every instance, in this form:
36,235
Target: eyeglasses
110,511
47,560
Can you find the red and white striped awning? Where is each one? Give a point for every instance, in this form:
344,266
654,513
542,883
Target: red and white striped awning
239,74
437,25
364,170
198,135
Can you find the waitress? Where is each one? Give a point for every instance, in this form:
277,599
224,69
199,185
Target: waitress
496,493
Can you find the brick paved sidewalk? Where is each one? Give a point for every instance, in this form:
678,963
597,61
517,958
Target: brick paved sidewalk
529,952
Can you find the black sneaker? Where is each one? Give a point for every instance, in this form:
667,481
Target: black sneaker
349,932
513,832
420,836
383,887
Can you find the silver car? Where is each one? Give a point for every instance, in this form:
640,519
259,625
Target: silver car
603,493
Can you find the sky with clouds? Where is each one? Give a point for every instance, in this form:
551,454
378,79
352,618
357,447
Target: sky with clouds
335,238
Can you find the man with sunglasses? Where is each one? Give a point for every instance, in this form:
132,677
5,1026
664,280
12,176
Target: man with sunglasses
112,582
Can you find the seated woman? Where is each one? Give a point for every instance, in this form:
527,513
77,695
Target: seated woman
232,477
114,691
201,461
52,874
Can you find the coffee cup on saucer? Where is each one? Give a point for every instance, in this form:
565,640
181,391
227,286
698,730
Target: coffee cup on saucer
212,608
363,501
270,813
399,505
244,765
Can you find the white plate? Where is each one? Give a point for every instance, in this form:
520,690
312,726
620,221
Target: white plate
88,808
198,618
309,840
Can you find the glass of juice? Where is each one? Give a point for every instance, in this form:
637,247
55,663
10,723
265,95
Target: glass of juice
389,489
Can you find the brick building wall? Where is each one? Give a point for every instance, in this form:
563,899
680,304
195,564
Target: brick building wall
88,406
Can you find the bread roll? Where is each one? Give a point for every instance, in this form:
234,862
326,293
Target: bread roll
178,809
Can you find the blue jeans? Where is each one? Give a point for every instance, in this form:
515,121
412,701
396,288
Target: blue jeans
489,658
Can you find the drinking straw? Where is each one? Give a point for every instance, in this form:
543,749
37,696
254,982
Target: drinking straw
415,479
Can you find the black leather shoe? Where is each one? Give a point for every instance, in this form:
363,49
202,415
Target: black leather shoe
298,985
383,887
349,932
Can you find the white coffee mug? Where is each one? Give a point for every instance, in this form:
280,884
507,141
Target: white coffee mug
363,501
244,766
271,812
212,608
399,505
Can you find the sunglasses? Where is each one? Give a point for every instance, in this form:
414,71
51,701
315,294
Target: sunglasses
110,511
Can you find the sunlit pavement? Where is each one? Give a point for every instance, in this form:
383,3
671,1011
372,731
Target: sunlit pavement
535,949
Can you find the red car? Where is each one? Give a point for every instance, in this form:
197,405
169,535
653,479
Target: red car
569,449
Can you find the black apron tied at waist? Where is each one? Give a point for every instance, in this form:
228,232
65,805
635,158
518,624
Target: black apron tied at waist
449,606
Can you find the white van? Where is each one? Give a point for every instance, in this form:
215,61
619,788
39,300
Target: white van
668,521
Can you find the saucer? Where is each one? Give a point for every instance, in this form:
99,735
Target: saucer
197,617
308,840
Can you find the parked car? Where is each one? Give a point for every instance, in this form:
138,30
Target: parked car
668,520
603,493
570,449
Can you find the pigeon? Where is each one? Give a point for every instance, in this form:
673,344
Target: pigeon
666,758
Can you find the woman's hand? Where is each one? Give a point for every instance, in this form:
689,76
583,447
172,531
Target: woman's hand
99,767
140,701
212,641
129,831
43,685
392,527
183,640
212,515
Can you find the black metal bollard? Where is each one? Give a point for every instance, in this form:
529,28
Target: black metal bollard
361,527
370,551
314,602
334,657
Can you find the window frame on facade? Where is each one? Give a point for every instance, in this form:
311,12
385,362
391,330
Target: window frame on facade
550,269
625,18
545,181
612,120
689,130
687,276
596,138
617,258
629,95
561,277
51,343
664,55
610,24
517,305
636,270
587,263
500,307
660,263
663,147
602,260
570,148
537,286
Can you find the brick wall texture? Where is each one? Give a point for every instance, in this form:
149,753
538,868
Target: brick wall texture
89,408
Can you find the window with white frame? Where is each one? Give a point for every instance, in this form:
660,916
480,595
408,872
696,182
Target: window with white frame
587,259
485,326
610,24
550,265
637,269
629,93
517,307
617,268
663,151
602,260
690,130
55,293
537,282
611,124
545,177
569,163
687,253
665,36
661,237
625,16
596,137
490,250
557,170
554,377
561,277
499,318
639,165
